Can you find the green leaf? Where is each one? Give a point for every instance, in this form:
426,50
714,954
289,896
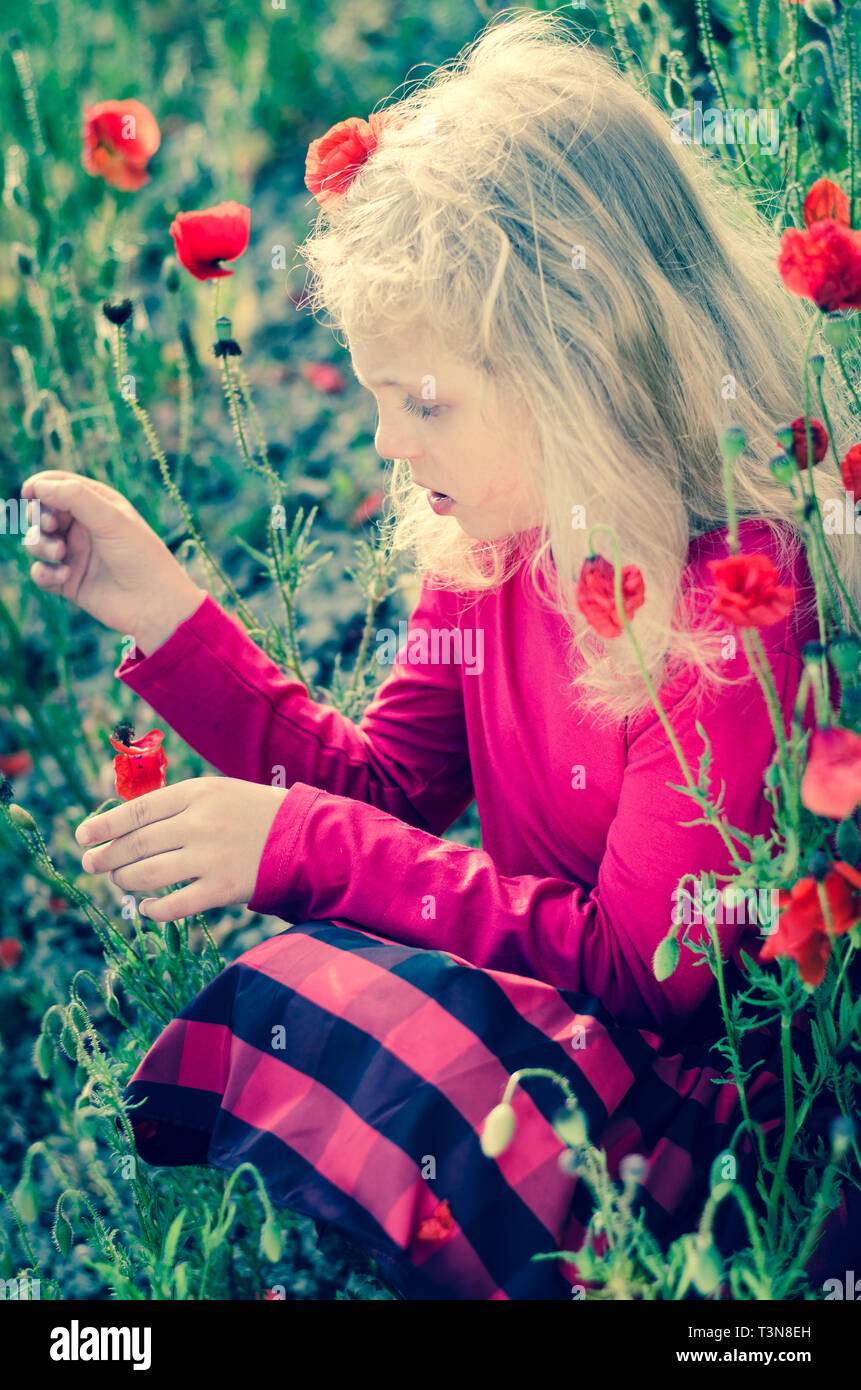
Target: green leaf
171,1240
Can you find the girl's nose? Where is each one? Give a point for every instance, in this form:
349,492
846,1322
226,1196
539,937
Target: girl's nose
394,443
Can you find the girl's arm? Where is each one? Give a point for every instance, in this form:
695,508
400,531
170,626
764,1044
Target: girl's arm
329,857
407,756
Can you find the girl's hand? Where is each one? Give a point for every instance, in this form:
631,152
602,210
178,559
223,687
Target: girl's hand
209,830
95,549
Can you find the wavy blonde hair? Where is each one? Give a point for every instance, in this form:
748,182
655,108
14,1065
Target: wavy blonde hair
464,225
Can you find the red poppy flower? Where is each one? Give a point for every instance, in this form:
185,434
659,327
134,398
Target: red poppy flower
140,766
15,764
822,262
271,1295
120,137
831,785
801,931
850,472
333,161
10,952
202,239
323,377
819,436
438,1225
826,199
596,596
748,592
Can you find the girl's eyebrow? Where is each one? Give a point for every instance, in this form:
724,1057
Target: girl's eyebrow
387,382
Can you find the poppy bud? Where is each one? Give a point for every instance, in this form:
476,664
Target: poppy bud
836,330
666,958
732,442
817,865
785,436
799,95
21,817
270,1241
63,1234
569,1124
772,776
822,12
782,468
848,842
26,1201
497,1131
812,653
69,1042
844,653
569,1163
43,1055
817,365
171,938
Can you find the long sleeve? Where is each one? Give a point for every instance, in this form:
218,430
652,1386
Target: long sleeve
327,856
225,697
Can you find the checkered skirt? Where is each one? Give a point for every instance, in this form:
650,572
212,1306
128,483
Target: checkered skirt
356,1074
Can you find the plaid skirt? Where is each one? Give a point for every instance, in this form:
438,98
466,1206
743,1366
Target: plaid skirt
356,1074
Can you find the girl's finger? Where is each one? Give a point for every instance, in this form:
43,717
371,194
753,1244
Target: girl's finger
158,872
160,838
132,815
185,902
51,548
49,576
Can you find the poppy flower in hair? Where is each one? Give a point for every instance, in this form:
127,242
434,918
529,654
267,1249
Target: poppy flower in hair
334,160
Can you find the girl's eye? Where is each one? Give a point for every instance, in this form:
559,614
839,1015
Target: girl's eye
424,411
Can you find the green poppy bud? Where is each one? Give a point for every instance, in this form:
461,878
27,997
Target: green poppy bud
732,442
799,95
171,938
783,469
68,1043
666,958
497,1131
822,12
569,1123
21,817
844,653
26,1201
43,1056
785,436
835,331
63,1234
848,842
270,1241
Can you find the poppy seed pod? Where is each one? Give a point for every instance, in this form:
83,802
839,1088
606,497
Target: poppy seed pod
498,1129
836,331
732,442
817,365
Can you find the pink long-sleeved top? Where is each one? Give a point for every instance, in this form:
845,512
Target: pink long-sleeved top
582,843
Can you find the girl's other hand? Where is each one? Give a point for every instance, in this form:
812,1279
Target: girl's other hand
96,550
207,832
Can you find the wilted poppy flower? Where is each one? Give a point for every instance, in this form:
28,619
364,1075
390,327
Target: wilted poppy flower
438,1225
826,199
818,435
202,239
823,263
850,472
323,377
120,137
333,160
748,593
140,764
10,952
596,596
831,785
801,931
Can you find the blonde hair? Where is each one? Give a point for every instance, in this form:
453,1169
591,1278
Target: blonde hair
464,224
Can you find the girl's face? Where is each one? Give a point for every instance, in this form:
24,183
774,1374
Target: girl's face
430,414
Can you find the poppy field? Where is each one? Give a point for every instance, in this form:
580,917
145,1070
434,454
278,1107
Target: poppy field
156,180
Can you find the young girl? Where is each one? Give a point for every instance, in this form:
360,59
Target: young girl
557,309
